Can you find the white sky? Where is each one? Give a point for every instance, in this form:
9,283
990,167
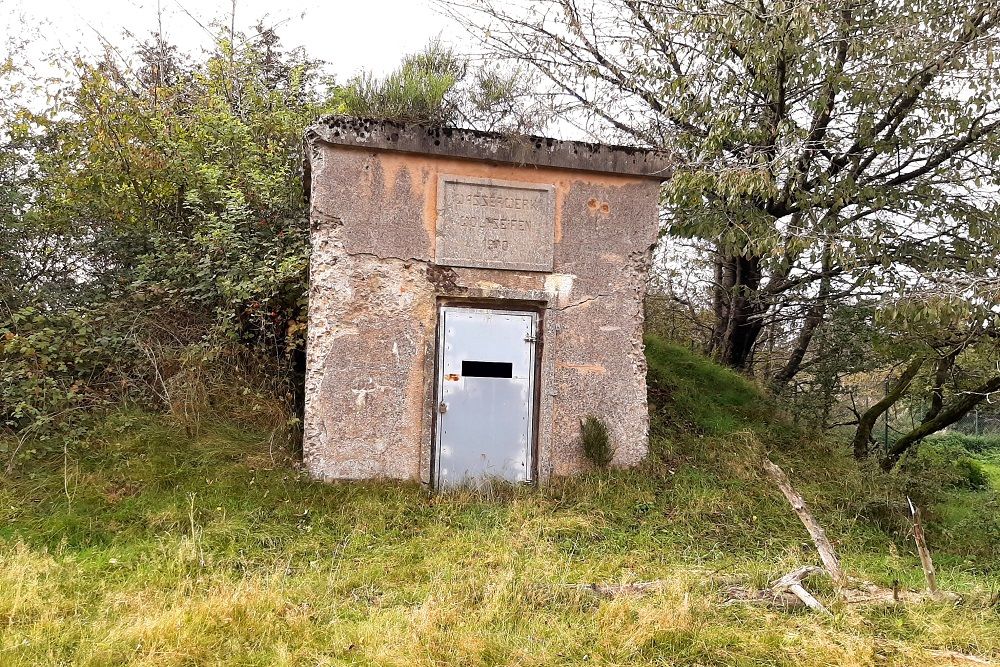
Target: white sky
348,35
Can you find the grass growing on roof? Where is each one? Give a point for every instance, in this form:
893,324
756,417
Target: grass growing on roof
151,547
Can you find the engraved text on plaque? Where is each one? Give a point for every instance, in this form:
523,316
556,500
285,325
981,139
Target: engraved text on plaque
495,224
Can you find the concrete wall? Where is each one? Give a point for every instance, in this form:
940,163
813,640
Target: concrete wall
374,292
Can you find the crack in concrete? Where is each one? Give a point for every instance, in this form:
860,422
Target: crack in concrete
386,258
581,302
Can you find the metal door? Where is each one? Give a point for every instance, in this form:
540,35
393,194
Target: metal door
486,368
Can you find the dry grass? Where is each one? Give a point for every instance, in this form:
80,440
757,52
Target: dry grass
159,547
180,550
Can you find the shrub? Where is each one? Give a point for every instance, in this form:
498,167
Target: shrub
596,441
53,366
987,445
940,464
972,474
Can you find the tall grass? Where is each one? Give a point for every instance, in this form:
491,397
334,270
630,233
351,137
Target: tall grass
157,546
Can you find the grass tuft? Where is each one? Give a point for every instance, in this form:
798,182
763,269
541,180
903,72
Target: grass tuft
596,440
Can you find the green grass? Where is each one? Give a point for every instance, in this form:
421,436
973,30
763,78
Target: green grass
695,395
992,468
150,547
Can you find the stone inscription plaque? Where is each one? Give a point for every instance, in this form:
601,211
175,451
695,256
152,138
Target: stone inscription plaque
495,224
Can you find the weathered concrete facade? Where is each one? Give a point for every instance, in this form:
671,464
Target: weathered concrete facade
383,263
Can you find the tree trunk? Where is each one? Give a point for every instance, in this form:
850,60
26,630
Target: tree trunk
738,310
862,437
946,417
812,321
814,318
942,367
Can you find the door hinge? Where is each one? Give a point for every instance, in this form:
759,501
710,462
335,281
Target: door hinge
442,407
530,339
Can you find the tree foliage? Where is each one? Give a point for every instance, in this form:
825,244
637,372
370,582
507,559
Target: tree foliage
831,153
832,139
440,87
158,200
154,220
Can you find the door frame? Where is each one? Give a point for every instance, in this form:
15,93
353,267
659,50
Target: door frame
494,306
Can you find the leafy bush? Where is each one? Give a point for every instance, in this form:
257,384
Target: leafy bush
160,226
940,464
59,372
596,441
987,445
52,367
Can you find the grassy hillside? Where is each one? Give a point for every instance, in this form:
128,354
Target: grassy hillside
150,547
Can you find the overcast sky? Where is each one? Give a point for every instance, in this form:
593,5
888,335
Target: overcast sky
347,34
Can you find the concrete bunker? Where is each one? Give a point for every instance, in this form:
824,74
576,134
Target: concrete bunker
472,297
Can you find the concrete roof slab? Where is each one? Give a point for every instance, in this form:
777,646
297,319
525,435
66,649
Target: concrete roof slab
384,135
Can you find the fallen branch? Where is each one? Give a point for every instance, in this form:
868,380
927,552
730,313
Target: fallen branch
816,532
792,582
925,554
789,591
784,600
786,592
961,658
849,590
863,592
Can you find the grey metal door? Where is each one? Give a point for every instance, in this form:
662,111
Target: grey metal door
486,368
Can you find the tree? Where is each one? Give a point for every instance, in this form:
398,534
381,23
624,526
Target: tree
947,416
157,207
867,421
31,261
439,87
153,221
946,342
825,148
